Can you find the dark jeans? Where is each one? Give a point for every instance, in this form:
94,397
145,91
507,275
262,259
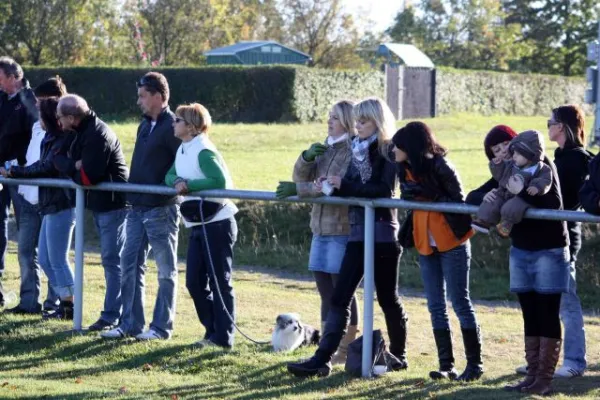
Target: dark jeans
7,194
200,281
326,283
386,285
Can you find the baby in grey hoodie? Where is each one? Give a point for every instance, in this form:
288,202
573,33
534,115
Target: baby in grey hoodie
525,171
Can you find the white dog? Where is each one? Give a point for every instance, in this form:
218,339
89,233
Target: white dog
290,333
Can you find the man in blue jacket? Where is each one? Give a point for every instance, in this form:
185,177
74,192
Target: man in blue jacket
153,219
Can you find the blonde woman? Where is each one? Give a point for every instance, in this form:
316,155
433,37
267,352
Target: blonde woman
329,223
371,174
199,166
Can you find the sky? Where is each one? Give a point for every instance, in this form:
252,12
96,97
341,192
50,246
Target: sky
382,12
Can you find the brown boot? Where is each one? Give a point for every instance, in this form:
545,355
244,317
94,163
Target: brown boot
549,355
532,356
342,352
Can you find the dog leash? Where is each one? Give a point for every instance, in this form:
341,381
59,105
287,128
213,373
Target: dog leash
214,275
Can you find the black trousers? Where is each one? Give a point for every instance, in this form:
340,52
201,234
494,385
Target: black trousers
387,256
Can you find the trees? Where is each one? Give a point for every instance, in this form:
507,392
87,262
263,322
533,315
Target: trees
548,36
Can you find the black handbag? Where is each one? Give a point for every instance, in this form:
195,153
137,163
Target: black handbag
191,210
354,359
405,235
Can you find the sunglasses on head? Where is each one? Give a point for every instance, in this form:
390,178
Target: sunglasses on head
146,81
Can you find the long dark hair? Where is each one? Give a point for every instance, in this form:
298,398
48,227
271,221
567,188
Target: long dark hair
48,108
573,119
417,140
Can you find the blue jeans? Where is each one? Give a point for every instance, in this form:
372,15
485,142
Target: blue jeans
111,229
157,227
571,315
443,271
7,193
28,236
200,282
54,244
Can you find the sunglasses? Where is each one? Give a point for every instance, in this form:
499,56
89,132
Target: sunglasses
550,123
147,81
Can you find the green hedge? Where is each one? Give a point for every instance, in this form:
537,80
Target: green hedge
232,94
488,93
315,90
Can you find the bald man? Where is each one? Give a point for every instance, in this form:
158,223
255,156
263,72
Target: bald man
94,157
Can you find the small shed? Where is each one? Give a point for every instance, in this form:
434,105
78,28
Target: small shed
410,81
256,53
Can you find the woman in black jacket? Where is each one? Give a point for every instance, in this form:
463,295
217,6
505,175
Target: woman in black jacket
56,206
442,241
539,274
566,127
370,174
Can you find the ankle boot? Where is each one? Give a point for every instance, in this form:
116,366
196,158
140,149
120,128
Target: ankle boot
472,342
549,355
532,356
311,367
342,351
443,341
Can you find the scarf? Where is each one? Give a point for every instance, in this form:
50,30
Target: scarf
360,148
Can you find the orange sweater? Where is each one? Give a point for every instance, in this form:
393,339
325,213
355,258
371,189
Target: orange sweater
434,223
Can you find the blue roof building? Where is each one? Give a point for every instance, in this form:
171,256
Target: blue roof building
256,53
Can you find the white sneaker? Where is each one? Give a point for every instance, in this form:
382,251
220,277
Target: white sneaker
567,372
150,334
116,333
522,370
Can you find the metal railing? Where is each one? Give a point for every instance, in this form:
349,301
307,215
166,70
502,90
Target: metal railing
368,204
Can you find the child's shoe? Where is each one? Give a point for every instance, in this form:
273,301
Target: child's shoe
504,228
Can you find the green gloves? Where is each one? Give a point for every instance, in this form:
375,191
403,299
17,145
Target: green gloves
286,189
315,150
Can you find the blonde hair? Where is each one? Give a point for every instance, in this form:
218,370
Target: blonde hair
344,110
376,110
195,114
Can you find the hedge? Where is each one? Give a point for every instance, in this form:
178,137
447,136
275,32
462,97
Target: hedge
232,94
486,92
302,94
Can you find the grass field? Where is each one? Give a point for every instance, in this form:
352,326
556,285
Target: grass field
259,155
45,360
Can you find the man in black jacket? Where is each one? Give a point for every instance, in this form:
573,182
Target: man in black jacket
96,156
17,116
153,218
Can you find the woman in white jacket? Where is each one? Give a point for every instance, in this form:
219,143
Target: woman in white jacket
199,166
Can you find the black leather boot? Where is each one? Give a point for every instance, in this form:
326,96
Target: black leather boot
472,341
443,341
397,334
320,363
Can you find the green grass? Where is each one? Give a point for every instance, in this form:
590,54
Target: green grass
259,155
44,360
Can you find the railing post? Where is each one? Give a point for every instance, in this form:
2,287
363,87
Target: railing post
79,229
369,284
